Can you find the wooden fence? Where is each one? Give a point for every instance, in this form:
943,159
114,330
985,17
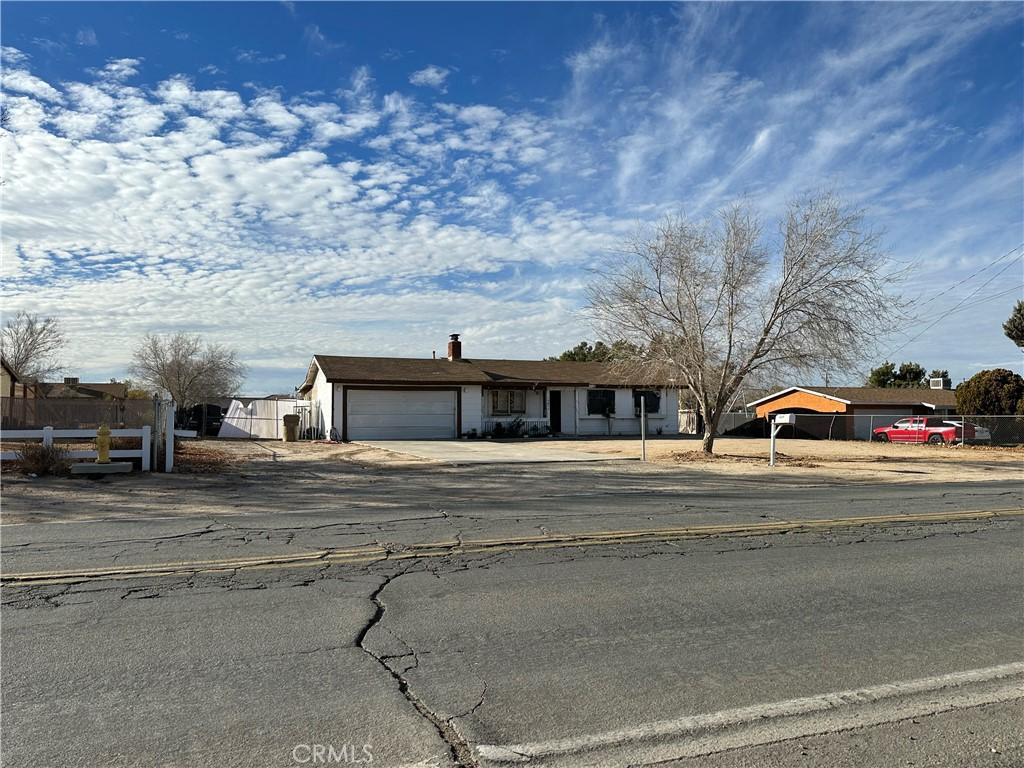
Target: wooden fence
49,434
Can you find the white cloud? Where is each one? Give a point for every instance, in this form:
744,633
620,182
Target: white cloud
20,81
86,36
380,210
431,76
249,56
118,69
12,56
274,114
317,41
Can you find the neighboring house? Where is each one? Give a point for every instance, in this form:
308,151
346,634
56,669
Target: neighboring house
856,409
72,388
11,385
390,398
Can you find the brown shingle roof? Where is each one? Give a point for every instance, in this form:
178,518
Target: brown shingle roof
402,370
94,390
878,395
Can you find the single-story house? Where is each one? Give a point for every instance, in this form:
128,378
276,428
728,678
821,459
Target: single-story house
856,410
11,384
390,398
71,388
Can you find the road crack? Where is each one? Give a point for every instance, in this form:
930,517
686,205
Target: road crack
458,748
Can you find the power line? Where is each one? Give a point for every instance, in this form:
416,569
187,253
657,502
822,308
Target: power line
956,306
988,298
973,274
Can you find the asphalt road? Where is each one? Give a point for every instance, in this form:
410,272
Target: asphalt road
877,645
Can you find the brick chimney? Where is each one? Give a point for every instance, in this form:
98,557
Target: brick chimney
454,347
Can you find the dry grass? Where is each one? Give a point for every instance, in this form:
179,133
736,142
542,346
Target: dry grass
204,457
821,459
687,457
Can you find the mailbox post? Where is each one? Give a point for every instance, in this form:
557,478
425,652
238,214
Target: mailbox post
778,422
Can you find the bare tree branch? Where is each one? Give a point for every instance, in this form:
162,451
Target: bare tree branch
188,370
709,304
32,346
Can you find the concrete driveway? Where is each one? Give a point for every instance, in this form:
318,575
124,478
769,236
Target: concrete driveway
490,451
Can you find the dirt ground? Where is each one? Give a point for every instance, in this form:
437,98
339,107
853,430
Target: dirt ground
812,460
215,456
835,460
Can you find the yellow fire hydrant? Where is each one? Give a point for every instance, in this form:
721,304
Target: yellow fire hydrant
103,444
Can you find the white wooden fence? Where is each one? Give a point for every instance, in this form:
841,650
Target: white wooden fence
48,434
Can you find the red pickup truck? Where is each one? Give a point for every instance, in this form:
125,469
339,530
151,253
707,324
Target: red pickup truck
931,429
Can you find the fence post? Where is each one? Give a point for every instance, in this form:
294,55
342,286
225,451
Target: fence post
146,438
643,426
169,440
47,436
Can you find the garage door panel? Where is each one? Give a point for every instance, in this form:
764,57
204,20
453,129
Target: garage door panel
418,408
396,414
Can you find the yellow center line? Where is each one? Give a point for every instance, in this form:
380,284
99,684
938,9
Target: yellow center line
374,552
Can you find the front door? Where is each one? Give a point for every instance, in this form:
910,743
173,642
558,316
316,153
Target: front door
555,412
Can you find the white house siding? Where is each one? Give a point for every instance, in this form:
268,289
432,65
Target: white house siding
472,408
476,405
320,395
624,422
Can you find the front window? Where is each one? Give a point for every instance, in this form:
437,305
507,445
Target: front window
508,401
600,402
902,424
652,401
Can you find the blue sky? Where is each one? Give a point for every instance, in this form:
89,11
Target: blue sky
367,178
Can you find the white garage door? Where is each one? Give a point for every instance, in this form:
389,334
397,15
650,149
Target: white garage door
381,414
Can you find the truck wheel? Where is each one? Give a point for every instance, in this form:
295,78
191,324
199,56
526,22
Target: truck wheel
936,439
881,437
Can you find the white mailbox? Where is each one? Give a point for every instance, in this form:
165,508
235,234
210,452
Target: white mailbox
780,420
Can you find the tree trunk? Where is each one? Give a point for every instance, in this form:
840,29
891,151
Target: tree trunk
708,443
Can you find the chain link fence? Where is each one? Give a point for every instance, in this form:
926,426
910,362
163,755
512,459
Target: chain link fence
76,413
952,429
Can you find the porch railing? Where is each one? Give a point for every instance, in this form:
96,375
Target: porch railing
528,426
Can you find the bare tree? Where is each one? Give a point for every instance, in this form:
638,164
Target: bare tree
712,303
188,370
32,345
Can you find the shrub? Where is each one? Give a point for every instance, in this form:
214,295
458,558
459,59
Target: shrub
39,459
996,392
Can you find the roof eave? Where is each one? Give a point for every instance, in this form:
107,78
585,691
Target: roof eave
790,390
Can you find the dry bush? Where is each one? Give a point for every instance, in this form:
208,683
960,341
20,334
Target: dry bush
39,459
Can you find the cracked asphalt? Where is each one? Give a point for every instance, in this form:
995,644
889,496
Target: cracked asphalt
423,660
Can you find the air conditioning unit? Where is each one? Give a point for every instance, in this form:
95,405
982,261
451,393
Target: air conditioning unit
939,383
